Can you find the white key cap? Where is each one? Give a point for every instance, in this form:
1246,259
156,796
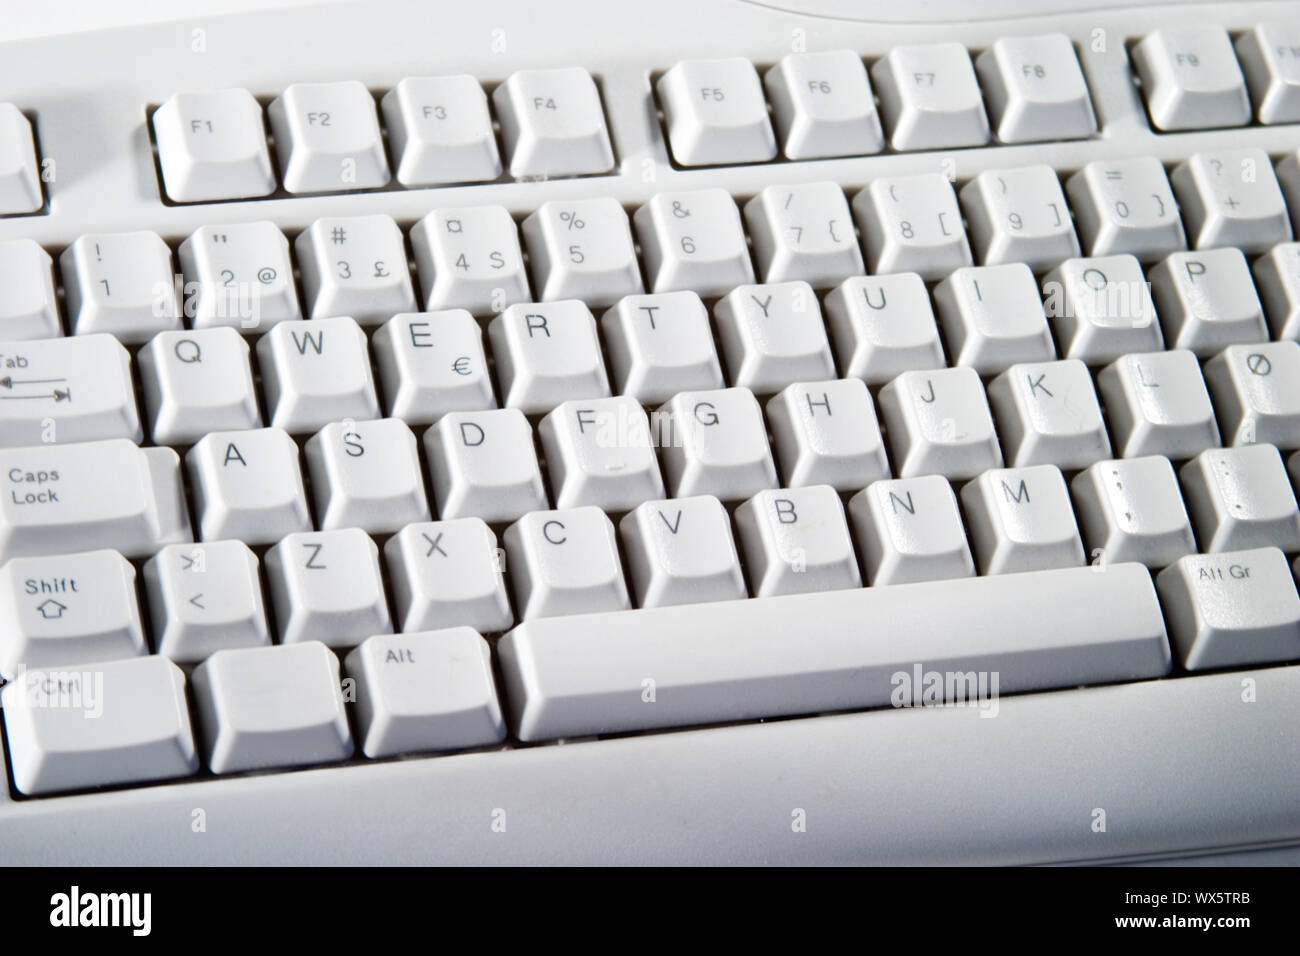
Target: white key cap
238,275
140,728
325,586
772,334
447,574
355,266
20,175
1021,520
1131,510
797,541
366,475
715,113
197,382
121,283
600,452
264,707
1048,414
327,137
469,259
1231,197
431,363
30,307
565,562
1206,300
912,224
992,316
1125,205
1277,279
681,552
212,146
552,123
440,131
1157,404
882,326
1191,78
582,250
316,371
910,530
205,598
693,240
660,344
1231,609
100,494
1035,90
68,609
66,390
823,106
803,231
1269,56
717,445
546,353
1241,498
1101,309
938,422
826,433
1019,215
247,485
930,98
482,464
432,690
1256,390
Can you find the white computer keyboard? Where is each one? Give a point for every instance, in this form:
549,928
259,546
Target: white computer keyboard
382,407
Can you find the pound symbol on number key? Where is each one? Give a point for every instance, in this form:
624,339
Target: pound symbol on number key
381,271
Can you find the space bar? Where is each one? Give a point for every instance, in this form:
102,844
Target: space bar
968,640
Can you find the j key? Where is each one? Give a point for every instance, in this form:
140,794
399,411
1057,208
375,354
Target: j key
938,422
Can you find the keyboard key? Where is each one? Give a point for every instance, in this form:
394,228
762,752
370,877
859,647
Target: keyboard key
446,574
681,552
717,445
196,382
327,137
120,283
547,353
212,146
1157,404
1101,308
582,250
1131,510
1270,60
823,106
262,707
660,344
470,259
247,485
993,316
565,562
1191,79
1125,205
482,464
796,541
803,232
1048,414
693,240
1231,198
316,371
238,275
1020,519
1256,390
1035,90
715,113
882,326
366,475
930,98
30,306
1277,279
938,422
912,224
910,530
772,334
600,452
826,433
1019,215
20,174
431,363
1241,498
355,266
552,123
325,586
440,131
1206,300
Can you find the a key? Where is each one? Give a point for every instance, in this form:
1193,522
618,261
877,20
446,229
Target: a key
600,452
1131,510
1019,215
660,344
565,562
797,540
912,224
823,106
826,433
546,353
327,137
992,316
470,259
66,390
582,250
431,363
196,382
803,232
1256,391
1157,404
238,275
716,445
366,475
120,283
212,146
448,574
681,552
430,690
100,494
938,422
1191,78
20,174
1277,280
325,586
1035,90
1231,198
715,113
909,530
355,266
1231,609
68,609
882,326
772,334
1270,62
482,464
1101,308
30,307
552,123
205,598
1206,300
1241,498
440,131
247,485
1048,414
1020,519
316,371
930,98
121,722
693,240
1125,205
262,707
